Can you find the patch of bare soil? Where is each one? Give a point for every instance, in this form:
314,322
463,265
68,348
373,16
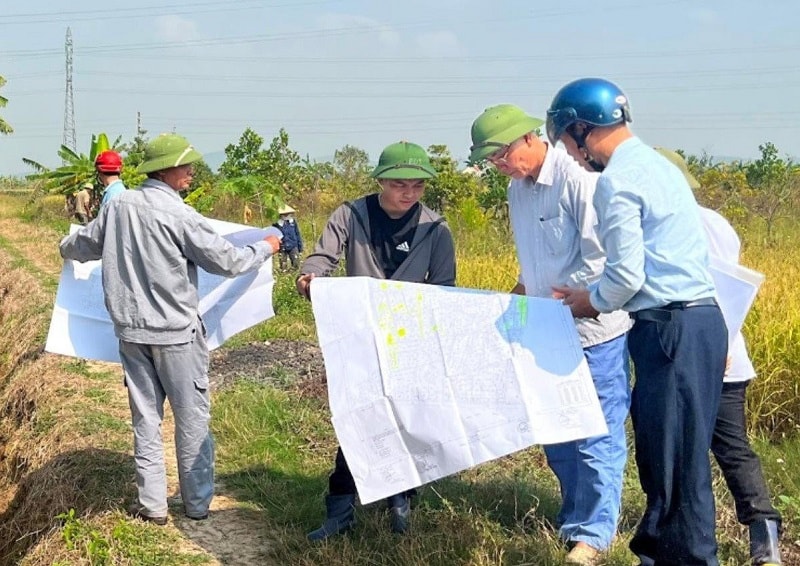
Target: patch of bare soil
233,535
281,363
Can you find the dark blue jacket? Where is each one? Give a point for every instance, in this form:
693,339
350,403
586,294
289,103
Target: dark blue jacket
291,236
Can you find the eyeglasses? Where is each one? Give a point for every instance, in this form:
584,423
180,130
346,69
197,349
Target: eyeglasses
499,155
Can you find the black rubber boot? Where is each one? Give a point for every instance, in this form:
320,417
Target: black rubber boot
399,512
339,519
764,550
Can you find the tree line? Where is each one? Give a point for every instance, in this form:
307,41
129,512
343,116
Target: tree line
256,178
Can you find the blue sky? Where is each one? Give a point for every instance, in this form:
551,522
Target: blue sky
721,77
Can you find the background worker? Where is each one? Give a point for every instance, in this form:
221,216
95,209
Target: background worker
83,203
108,165
740,465
292,241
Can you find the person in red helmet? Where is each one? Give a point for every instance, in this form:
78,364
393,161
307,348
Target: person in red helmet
109,165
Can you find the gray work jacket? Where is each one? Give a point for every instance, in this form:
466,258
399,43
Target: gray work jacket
151,243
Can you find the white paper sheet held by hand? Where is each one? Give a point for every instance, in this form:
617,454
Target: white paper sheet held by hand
426,381
80,325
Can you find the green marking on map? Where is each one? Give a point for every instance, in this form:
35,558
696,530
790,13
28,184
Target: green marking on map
523,311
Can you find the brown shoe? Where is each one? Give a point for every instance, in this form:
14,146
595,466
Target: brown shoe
583,555
137,512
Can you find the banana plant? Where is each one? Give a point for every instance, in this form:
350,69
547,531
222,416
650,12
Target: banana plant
77,168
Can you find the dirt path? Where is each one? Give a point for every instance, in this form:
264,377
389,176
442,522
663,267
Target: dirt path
233,534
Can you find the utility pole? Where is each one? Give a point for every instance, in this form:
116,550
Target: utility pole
69,138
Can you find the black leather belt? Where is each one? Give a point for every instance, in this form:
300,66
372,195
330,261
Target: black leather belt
665,313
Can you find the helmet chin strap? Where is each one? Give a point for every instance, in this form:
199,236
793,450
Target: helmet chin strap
595,165
580,141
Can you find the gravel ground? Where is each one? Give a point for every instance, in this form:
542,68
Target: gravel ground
283,363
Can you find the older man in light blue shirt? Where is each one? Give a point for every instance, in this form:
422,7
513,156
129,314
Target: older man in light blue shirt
550,203
656,269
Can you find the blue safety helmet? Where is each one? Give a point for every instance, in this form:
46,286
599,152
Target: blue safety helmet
593,101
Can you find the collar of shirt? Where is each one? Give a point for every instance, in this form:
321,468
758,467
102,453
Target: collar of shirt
160,185
628,145
549,171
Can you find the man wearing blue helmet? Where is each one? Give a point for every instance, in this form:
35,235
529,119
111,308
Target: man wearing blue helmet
657,270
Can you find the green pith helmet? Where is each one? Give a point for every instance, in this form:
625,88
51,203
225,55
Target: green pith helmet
675,158
403,160
499,126
167,151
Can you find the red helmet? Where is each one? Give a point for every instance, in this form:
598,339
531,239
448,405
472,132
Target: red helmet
108,162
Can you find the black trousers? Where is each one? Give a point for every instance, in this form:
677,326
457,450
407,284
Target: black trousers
341,480
679,363
739,464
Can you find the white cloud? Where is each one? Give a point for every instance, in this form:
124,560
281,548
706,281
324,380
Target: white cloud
387,36
440,43
176,29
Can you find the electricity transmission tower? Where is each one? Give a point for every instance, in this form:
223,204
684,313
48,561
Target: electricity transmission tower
69,104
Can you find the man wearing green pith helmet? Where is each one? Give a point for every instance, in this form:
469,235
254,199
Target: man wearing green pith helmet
151,244
553,220
387,235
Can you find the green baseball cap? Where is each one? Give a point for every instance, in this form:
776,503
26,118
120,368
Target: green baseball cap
499,126
167,151
675,158
403,160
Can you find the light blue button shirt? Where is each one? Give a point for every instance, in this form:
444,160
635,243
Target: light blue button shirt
649,224
114,189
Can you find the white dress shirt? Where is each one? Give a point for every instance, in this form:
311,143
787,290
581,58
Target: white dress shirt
723,243
554,231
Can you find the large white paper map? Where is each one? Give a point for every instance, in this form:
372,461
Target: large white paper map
80,325
426,381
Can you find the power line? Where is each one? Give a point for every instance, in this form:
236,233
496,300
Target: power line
145,12
438,78
120,51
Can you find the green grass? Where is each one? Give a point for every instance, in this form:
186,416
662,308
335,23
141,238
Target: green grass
96,421
127,542
276,449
